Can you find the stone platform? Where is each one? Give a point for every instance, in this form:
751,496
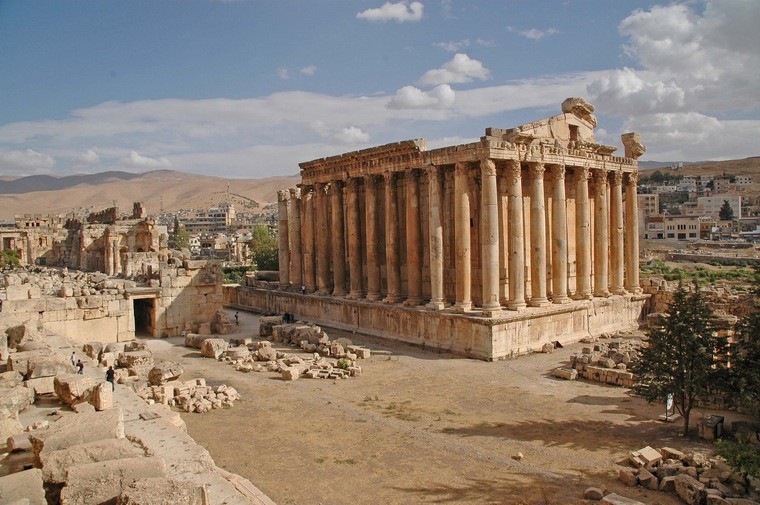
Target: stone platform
470,334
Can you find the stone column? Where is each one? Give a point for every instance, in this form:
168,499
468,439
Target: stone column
338,239
107,250
503,204
354,239
538,236
309,275
616,213
116,258
559,235
601,234
489,238
413,239
323,242
582,235
391,240
370,225
516,265
631,234
435,232
296,270
463,266
282,236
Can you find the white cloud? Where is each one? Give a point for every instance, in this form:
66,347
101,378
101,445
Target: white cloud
533,33
87,158
283,73
409,97
25,162
136,160
399,12
485,42
350,136
454,45
309,70
629,92
461,68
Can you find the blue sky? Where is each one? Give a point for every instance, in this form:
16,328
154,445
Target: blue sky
250,88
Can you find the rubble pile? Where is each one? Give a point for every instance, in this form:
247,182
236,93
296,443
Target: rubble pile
190,396
34,282
695,478
605,362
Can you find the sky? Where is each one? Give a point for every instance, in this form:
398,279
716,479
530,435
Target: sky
250,88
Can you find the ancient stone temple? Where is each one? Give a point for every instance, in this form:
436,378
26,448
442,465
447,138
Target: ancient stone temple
488,249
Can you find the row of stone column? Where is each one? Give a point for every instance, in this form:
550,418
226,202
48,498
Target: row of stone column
309,266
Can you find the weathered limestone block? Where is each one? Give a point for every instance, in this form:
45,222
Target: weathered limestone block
628,477
689,489
213,347
647,480
267,323
290,373
48,366
361,352
23,487
41,385
592,493
19,361
17,398
164,372
99,396
616,499
71,387
241,341
9,423
160,491
112,477
266,354
10,379
93,349
56,463
18,334
194,340
131,359
645,457
565,373
109,359
19,442
204,329
78,429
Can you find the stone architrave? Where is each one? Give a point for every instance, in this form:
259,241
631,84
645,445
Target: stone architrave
601,234
338,239
372,242
413,239
309,273
354,239
631,235
391,240
463,267
296,265
559,235
323,242
435,229
489,238
538,236
616,229
516,237
282,236
582,235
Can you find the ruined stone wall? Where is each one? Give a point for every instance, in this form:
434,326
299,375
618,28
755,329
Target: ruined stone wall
723,300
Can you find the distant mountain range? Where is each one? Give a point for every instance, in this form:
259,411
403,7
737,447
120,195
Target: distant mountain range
172,190
169,190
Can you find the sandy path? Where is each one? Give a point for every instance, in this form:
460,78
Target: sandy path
423,427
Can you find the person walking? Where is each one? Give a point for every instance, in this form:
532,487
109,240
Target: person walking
237,321
110,377
80,367
74,358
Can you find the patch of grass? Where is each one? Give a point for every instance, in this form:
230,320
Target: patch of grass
344,461
319,460
401,411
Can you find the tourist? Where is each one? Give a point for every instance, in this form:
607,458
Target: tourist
73,358
80,367
303,289
110,377
237,321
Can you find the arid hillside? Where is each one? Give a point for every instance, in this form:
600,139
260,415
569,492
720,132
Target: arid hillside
746,166
169,189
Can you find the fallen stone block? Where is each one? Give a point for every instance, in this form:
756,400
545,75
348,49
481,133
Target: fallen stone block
93,349
668,484
267,323
100,396
160,491
715,500
593,493
48,366
565,373
23,487
647,479
266,354
240,352
19,442
616,499
56,463
16,398
361,352
78,429
112,477
628,477
645,457
71,387
689,489
9,423
213,347
241,341
164,372
10,378
131,359
19,361
290,373
670,453
41,385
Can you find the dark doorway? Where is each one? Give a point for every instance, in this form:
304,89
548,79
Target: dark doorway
143,308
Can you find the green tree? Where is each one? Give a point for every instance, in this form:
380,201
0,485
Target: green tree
9,259
726,213
682,356
180,238
264,250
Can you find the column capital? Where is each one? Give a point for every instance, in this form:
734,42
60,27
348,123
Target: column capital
335,186
582,173
282,195
352,183
599,176
514,169
536,169
617,177
488,167
412,174
632,179
461,168
556,172
370,180
432,170
295,193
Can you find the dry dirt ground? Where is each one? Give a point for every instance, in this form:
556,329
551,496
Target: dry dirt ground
420,426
